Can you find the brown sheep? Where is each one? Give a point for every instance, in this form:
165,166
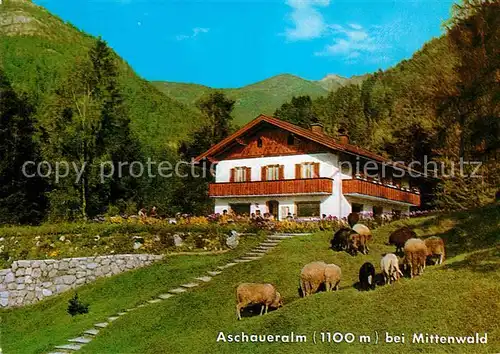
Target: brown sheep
415,255
333,273
435,246
366,235
311,277
400,236
352,219
358,243
252,294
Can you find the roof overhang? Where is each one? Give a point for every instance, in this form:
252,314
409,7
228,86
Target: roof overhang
318,138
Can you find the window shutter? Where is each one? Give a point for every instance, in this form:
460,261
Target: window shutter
316,169
248,174
298,171
263,173
282,172
232,175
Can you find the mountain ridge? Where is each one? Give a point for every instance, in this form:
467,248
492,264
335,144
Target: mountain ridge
263,96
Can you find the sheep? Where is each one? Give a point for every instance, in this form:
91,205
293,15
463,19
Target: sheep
357,242
415,255
352,219
367,276
366,235
435,247
251,294
340,239
390,268
311,277
400,236
333,274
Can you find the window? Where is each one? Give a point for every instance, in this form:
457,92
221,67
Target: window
307,170
259,142
240,209
290,140
377,211
240,174
308,209
273,172
357,208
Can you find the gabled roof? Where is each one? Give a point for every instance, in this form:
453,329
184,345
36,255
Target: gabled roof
319,138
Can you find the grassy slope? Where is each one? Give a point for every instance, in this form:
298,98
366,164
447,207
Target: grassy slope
262,97
36,52
48,324
458,298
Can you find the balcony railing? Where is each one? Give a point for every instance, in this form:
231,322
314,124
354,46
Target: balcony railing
309,186
356,186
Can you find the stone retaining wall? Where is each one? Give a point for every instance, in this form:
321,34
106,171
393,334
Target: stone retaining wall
27,282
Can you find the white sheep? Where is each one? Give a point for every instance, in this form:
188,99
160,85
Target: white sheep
390,268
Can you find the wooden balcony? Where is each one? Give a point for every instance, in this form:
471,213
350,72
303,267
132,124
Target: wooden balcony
366,188
310,186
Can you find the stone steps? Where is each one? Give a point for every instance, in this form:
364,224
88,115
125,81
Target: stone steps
177,290
250,258
254,254
69,346
80,340
92,332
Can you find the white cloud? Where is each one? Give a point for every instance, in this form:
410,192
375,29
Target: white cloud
194,33
352,41
307,21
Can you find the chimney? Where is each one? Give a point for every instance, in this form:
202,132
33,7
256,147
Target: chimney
317,128
343,136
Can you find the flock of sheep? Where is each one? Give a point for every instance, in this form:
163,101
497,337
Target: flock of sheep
352,240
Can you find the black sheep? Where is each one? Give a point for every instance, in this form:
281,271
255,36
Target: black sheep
339,240
400,236
353,219
367,276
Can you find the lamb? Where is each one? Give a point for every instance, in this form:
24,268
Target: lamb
415,255
251,294
435,247
400,236
311,277
366,235
333,274
390,268
367,276
352,219
339,241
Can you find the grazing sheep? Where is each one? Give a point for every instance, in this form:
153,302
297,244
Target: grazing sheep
390,268
352,219
435,247
357,243
311,277
400,236
366,235
367,276
415,255
333,274
253,294
340,239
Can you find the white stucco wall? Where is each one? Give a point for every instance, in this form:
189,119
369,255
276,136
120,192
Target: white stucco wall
335,204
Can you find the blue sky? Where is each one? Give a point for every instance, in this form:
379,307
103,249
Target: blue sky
232,43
